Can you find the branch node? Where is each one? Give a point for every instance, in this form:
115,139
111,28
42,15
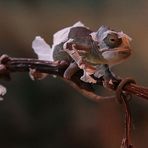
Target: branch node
120,89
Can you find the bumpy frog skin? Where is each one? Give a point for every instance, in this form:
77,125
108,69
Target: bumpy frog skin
93,52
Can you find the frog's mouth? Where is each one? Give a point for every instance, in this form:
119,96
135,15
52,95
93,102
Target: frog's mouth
126,49
116,55
109,56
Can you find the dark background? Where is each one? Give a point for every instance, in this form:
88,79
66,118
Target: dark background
49,113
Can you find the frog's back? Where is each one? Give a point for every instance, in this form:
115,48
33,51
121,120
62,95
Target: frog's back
74,33
77,32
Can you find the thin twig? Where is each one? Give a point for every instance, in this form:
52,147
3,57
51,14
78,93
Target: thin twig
123,97
126,142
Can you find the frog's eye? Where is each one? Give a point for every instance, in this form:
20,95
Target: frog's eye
112,40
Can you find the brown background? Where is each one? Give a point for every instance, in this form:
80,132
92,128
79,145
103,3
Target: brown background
48,113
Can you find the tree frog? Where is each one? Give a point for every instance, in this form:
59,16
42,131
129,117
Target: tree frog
81,48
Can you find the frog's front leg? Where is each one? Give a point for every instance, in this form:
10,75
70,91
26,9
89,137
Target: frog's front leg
71,70
108,76
70,48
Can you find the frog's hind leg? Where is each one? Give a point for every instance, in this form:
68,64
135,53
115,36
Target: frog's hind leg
71,70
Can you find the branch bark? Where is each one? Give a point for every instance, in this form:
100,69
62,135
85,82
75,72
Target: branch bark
55,68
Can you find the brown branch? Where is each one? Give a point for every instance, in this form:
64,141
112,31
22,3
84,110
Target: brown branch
137,90
54,68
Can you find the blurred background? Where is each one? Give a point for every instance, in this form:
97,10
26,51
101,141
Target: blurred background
49,113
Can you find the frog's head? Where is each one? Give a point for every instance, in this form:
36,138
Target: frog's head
114,46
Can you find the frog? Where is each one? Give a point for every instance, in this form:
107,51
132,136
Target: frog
94,52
